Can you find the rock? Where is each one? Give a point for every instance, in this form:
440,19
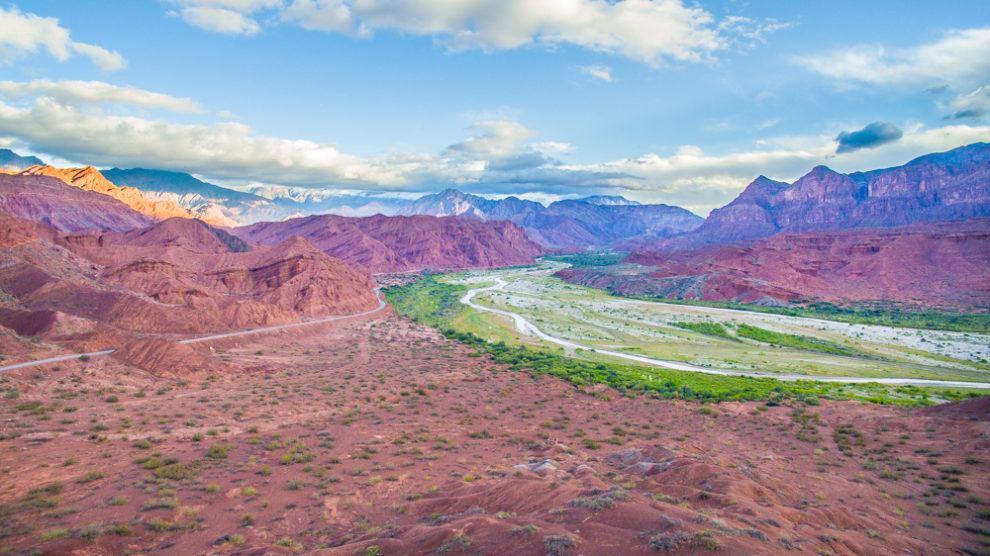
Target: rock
583,471
39,437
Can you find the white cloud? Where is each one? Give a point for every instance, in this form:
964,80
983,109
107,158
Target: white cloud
960,59
603,73
975,104
652,31
496,138
27,33
227,149
220,20
96,92
230,17
500,156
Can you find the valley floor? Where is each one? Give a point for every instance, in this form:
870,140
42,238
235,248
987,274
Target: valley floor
772,345
379,436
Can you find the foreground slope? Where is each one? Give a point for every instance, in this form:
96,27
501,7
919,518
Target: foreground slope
385,438
401,243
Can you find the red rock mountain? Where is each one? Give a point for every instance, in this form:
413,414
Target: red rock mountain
179,276
953,185
90,179
938,264
48,200
399,243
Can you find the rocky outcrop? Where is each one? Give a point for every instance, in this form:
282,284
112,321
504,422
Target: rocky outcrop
179,276
400,243
953,185
939,264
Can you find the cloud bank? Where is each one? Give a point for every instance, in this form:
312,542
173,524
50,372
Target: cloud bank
655,32
498,157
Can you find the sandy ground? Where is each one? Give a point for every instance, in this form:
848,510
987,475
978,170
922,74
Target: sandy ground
380,437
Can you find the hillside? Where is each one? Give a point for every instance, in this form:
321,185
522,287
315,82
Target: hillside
401,243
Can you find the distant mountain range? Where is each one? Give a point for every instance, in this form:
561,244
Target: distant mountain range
591,222
11,161
917,234
598,221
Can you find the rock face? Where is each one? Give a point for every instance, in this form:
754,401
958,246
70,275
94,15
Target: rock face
952,185
938,264
48,200
591,222
400,243
90,179
178,276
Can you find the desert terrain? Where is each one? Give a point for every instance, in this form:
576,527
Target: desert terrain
376,435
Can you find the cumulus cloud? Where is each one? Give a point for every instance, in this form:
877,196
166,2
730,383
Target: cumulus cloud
230,17
871,136
960,59
27,33
96,92
603,73
652,31
494,138
500,156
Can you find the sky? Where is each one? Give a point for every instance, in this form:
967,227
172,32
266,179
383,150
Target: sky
661,101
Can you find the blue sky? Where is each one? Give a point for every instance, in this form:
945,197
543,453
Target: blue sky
661,101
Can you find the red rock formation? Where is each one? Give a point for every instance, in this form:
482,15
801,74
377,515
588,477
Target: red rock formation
939,264
48,200
398,243
180,276
953,185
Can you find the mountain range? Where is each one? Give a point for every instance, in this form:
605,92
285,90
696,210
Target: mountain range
953,185
588,223
917,234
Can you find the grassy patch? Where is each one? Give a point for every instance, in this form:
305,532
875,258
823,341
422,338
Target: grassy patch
706,328
792,340
589,259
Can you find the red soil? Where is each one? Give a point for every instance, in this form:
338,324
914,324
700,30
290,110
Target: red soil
384,434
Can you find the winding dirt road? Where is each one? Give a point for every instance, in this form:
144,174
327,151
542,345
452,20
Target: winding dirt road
92,354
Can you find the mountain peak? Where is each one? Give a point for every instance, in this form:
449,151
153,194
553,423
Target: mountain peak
13,161
607,200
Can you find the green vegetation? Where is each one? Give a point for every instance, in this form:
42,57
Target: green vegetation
879,314
590,258
434,303
427,301
791,340
706,328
